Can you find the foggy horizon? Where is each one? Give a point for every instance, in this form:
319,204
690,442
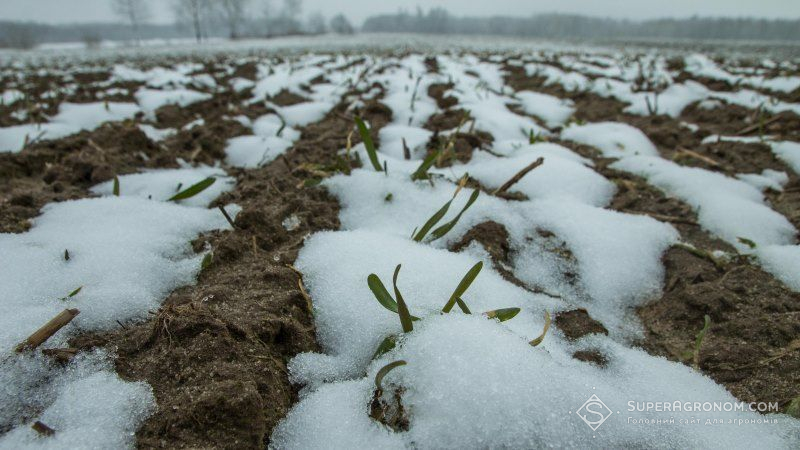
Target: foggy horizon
99,11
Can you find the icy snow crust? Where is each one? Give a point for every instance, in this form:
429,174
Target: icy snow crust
126,254
474,382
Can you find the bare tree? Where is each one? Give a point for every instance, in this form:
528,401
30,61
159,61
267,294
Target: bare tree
317,24
17,35
234,14
135,12
340,24
195,13
290,16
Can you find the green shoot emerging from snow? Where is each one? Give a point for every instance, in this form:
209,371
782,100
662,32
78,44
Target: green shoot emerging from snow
539,339
398,305
115,190
422,171
193,190
439,215
385,371
206,262
462,288
72,294
747,242
502,314
699,341
372,152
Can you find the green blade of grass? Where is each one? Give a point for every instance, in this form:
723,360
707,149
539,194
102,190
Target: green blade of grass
464,308
402,308
385,346
368,144
502,314
434,219
539,339
699,341
747,242
193,190
115,190
381,294
206,261
422,171
444,229
385,371
463,286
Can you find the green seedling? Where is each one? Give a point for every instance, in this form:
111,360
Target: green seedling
444,229
794,408
699,342
385,299
193,190
422,171
462,287
387,345
747,242
206,261
372,152
439,215
388,197
402,309
72,294
115,188
385,371
399,306
502,314
539,339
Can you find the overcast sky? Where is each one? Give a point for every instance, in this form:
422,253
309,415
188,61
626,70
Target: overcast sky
66,11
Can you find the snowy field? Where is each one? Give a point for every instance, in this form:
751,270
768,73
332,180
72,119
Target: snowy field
477,239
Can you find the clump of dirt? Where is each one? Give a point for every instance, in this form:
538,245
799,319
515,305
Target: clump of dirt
492,236
387,409
591,356
577,323
437,92
286,98
446,120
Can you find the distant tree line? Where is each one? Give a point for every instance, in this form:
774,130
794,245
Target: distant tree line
198,19
564,26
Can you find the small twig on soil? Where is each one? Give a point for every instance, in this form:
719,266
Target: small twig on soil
755,127
703,158
302,288
94,145
664,217
63,355
227,217
518,176
793,346
43,429
286,161
255,246
195,153
47,330
344,116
